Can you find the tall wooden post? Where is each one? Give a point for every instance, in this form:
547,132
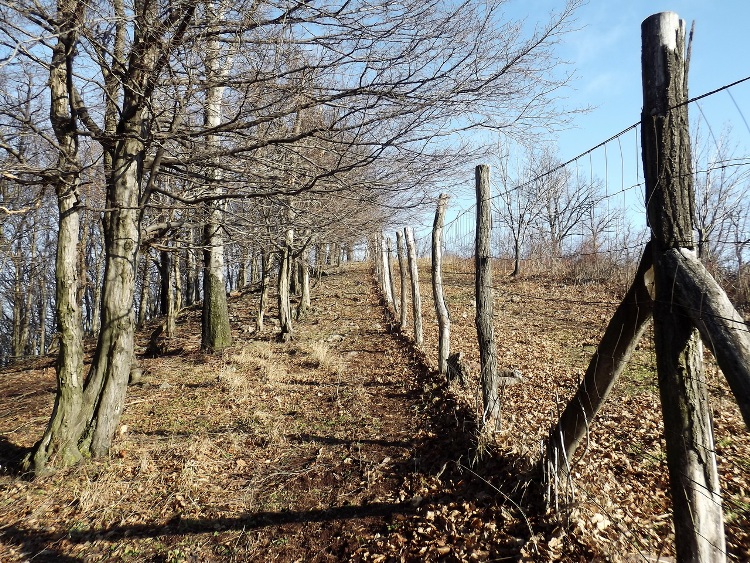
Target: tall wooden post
403,272
391,283
416,300
441,310
377,256
386,272
484,313
699,529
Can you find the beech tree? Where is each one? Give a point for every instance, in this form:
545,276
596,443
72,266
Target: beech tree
365,100
129,47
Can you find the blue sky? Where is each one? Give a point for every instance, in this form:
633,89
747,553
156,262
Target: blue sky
605,54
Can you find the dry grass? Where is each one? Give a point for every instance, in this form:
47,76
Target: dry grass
323,358
264,452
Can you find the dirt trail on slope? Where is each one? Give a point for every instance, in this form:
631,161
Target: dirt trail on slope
337,446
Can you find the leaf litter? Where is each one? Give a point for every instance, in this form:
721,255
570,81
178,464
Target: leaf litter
343,445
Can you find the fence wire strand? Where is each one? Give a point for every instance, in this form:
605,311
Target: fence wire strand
559,301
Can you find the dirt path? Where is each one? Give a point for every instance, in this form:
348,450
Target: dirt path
338,446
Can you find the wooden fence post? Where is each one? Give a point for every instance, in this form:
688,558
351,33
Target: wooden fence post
386,273
391,283
377,256
416,300
402,268
694,483
623,333
484,313
444,323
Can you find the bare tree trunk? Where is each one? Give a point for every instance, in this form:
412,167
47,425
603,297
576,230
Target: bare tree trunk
516,258
18,302
242,272
264,281
96,297
191,271
444,323
285,272
170,324
688,431
143,304
257,266
165,281
416,299
110,370
215,331
28,300
403,272
304,303
484,314
293,277
60,439
43,303
177,277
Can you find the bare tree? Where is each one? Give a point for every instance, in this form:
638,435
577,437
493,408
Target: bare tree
719,190
518,205
567,199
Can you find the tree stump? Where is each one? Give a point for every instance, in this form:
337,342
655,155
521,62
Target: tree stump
457,369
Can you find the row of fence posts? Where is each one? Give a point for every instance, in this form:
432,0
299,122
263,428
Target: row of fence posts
671,287
449,365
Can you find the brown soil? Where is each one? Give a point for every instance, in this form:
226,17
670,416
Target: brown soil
343,445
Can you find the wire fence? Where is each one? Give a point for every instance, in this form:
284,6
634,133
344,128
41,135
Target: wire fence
549,319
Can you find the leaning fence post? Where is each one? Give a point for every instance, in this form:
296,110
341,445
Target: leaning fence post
416,300
444,323
694,484
484,313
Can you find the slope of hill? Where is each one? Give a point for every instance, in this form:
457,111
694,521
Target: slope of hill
343,445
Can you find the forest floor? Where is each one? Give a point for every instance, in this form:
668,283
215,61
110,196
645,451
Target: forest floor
343,445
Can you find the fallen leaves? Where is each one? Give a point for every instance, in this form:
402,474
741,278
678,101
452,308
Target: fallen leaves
352,451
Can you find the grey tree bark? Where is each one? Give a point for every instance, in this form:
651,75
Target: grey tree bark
216,333
688,430
60,439
265,275
484,299
143,303
304,302
284,298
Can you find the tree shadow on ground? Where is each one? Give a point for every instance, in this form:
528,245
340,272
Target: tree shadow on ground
11,458
36,542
